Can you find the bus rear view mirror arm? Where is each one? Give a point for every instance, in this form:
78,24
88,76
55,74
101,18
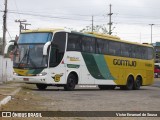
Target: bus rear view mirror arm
12,42
46,47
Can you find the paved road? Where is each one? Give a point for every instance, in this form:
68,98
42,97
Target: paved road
157,82
86,98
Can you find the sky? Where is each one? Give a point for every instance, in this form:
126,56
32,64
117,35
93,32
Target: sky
131,18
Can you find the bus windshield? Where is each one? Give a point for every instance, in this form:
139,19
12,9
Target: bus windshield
29,52
34,38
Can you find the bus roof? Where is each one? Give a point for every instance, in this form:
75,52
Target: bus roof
42,30
93,34
115,38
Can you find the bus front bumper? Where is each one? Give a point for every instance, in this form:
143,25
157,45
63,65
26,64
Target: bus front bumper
30,79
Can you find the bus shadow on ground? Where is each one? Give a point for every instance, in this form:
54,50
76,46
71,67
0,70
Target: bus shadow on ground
84,89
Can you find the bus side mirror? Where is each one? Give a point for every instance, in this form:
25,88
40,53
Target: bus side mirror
45,48
12,42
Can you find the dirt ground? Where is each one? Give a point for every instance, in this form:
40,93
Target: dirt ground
30,99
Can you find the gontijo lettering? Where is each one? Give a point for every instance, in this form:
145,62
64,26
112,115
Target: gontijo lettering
124,62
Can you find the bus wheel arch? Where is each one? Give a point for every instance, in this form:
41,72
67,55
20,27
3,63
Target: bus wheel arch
72,81
138,82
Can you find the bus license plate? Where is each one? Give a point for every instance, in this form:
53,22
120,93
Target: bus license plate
26,79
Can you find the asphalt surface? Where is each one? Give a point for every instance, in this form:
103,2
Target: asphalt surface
84,98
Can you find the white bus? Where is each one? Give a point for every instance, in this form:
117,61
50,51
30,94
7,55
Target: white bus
65,58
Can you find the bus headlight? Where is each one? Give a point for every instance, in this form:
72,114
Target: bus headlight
42,74
14,73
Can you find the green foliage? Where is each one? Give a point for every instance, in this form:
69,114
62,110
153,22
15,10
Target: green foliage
98,28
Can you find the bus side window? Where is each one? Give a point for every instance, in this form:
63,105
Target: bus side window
144,53
102,46
53,56
88,44
133,55
74,42
150,53
114,48
99,46
127,50
57,48
138,52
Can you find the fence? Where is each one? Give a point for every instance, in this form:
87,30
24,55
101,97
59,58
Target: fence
6,69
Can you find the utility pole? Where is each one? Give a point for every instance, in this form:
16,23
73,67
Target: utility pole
20,24
151,31
92,24
25,25
110,20
4,68
4,26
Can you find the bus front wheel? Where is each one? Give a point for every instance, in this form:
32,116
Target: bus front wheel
71,82
41,86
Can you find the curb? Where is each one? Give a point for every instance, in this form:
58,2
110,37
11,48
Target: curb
9,97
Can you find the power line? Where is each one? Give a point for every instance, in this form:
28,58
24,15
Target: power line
57,17
137,16
38,15
9,34
17,7
59,13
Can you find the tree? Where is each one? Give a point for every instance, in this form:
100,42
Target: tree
98,28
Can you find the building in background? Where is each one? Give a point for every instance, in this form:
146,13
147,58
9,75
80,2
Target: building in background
157,51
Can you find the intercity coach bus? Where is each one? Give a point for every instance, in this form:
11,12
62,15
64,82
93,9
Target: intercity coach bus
67,58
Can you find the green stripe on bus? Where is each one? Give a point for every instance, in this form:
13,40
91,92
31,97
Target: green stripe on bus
103,67
73,66
35,71
92,66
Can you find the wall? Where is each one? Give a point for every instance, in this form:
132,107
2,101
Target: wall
6,69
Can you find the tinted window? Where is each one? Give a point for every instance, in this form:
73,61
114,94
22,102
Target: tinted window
126,50
133,55
57,48
102,46
150,53
88,44
35,37
114,48
138,52
144,52
74,42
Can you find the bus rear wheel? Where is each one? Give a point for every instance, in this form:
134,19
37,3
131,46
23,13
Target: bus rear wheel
41,86
106,87
71,82
137,83
129,85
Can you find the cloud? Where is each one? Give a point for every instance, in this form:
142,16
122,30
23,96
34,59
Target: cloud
135,14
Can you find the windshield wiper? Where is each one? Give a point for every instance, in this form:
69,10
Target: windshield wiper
28,59
23,58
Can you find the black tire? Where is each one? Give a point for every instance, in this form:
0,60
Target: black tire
137,83
123,87
41,86
106,87
129,85
71,83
